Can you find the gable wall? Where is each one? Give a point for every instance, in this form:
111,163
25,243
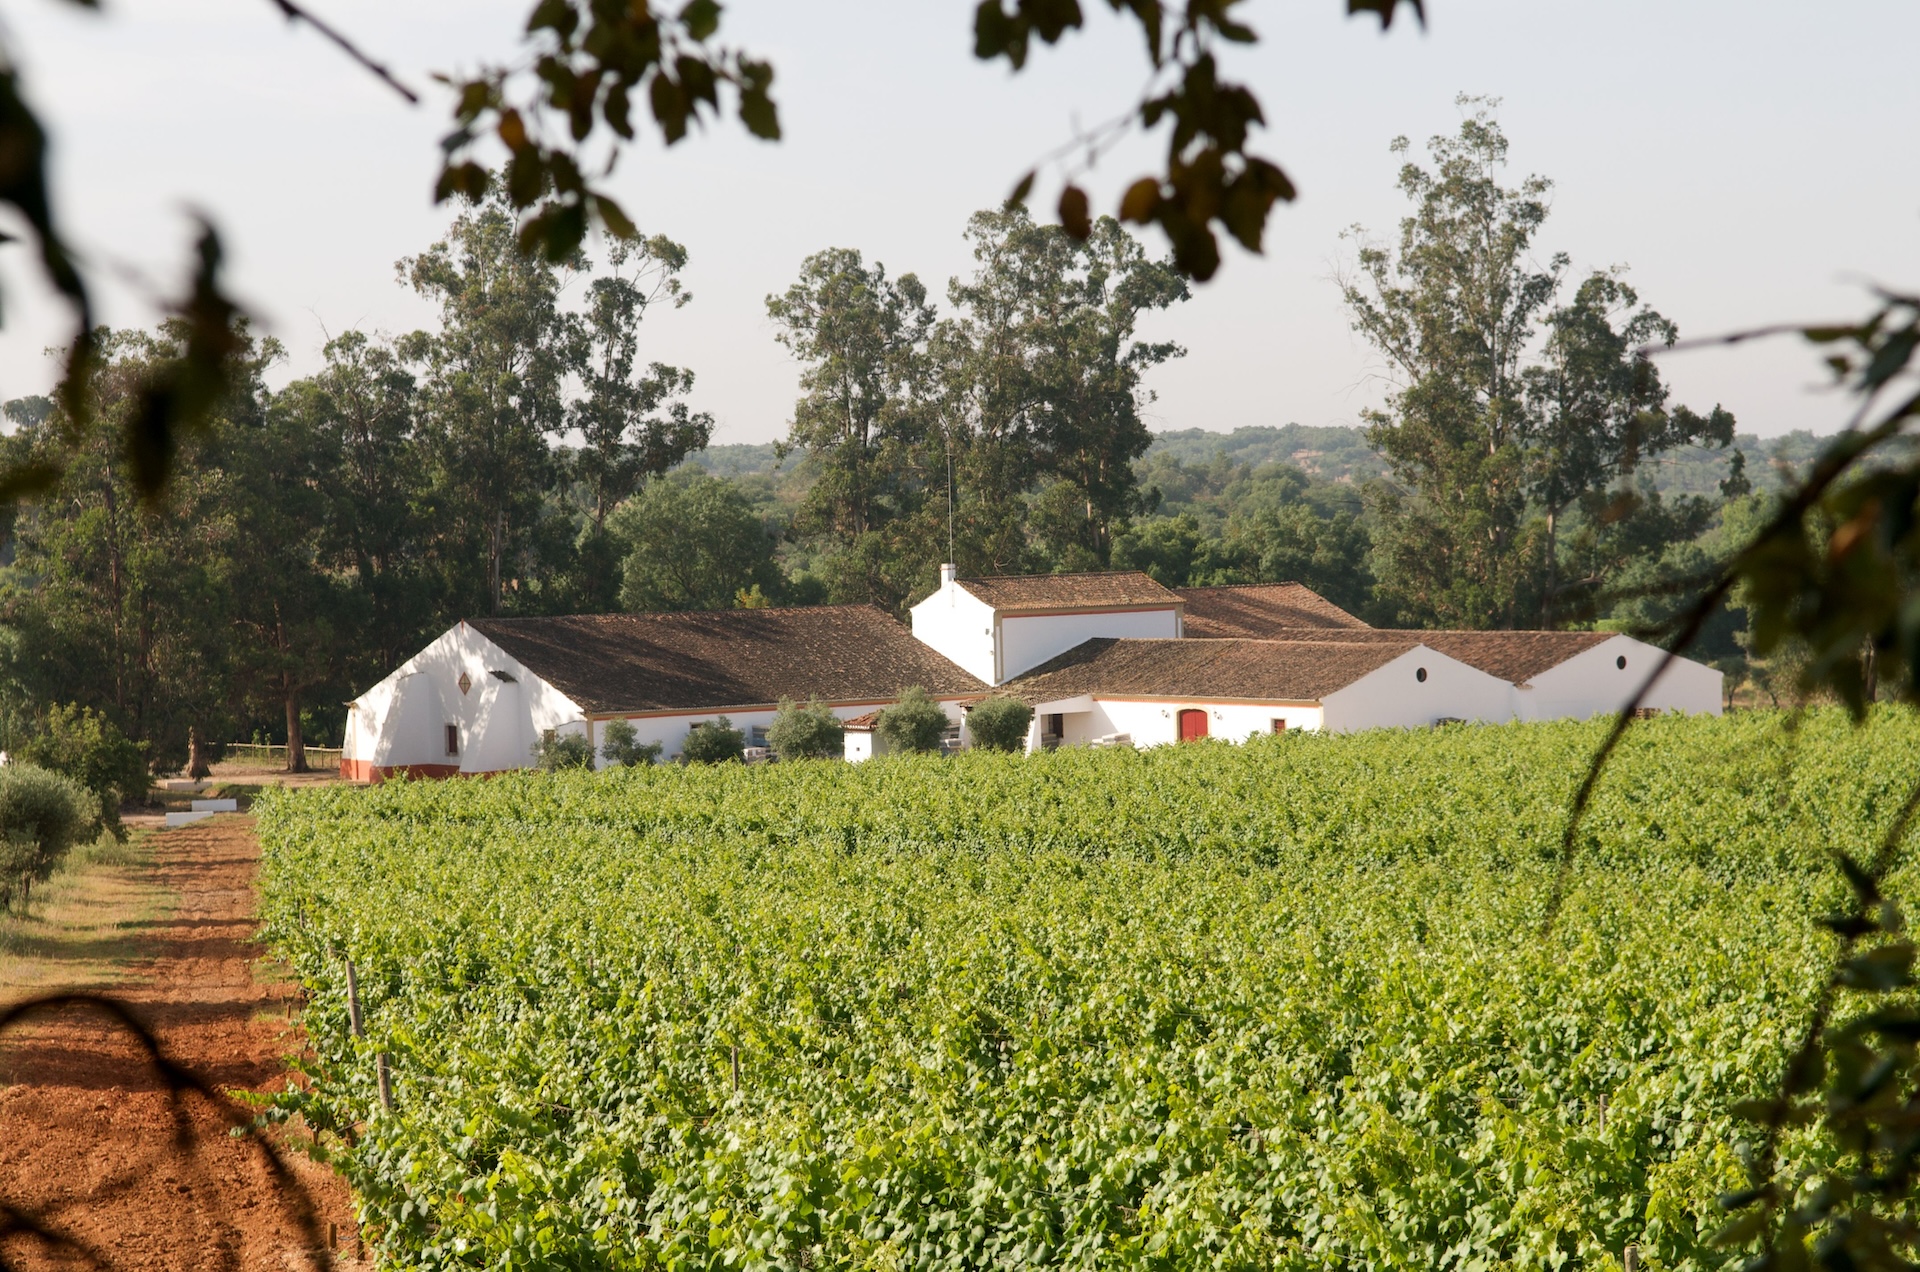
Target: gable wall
1027,640
956,623
1394,697
1592,683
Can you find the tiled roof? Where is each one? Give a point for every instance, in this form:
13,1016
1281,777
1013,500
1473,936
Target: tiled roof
726,658
1106,589
1260,610
1512,656
1264,670
866,720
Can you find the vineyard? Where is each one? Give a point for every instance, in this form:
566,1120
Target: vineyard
1280,1005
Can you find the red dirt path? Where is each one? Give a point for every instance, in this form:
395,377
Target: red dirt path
87,1140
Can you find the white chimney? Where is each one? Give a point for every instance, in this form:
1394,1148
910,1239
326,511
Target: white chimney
948,573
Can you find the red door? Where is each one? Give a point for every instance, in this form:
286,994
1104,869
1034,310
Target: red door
1193,724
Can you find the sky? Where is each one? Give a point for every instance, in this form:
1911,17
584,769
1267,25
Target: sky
1741,158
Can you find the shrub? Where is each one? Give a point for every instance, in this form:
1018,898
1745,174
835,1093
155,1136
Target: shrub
556,750
42,815
714,742
915,723
623,747
1000,724
811,732
80,743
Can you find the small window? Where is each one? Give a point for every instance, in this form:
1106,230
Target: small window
453,739
1420,674
1279,726
757,735
1621,662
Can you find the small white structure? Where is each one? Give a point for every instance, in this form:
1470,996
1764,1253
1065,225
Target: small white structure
478,698
998,628
1159,691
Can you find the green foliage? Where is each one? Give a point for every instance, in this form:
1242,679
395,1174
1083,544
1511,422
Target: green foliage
1514,410
714,742
1000,723
42,815
811,732
690,542
82,744
623,747
555,751
915,723
1188,1006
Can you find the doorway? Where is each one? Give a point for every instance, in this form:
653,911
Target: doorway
1193,724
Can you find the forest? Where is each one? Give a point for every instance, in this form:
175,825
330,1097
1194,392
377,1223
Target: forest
525,456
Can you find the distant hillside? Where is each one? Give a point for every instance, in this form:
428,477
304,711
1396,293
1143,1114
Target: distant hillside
1337,454
1341,455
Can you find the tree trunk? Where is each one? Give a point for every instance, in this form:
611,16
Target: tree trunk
197,766
296,743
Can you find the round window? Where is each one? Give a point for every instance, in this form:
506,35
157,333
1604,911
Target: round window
1421,675
1621,662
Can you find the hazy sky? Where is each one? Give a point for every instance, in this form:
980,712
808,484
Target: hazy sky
1750,160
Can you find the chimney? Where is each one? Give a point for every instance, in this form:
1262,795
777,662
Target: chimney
948,573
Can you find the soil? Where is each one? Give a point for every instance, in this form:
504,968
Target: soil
91,1141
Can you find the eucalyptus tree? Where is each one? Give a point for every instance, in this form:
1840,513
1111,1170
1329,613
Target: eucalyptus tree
490,392
863,419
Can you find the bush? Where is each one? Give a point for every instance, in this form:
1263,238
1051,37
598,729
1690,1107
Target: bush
811,732
715,742
915,723
623,747
80,743
42,815
1000,724
556,750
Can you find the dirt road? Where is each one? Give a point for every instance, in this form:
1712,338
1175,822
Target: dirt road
87,1128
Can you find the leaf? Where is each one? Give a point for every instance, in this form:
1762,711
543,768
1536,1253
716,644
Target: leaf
1385,10
1886,968
1074,217
1140,201
1022,189
701,19
618,223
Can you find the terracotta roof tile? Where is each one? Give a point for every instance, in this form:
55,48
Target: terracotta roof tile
1258,610
1264,670
1512,656
725,658
1104,589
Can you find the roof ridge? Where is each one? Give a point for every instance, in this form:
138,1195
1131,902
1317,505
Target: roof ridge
678,614
1064,574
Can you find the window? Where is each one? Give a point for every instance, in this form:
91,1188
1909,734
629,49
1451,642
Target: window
1621,662
757,735
453,739
1421,675
1279,726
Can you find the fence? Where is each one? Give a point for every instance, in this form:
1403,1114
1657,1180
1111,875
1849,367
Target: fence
258,755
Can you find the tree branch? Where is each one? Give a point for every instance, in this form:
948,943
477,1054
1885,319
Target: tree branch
295,13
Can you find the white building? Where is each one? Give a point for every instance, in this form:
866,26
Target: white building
477,699
1157,691
998,628
1552,675
1101,657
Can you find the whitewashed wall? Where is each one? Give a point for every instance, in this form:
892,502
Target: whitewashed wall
1157,722
1027,640
1593,682
402,720
1394,697
958,624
